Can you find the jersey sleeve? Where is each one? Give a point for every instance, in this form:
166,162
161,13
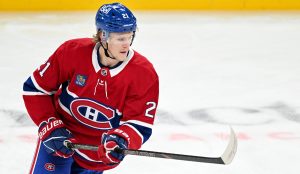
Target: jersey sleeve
139,113
40,87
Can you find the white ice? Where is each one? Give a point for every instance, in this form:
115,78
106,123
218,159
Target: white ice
216,69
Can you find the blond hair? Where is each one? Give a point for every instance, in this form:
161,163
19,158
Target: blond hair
96,37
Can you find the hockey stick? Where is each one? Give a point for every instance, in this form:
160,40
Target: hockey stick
226,157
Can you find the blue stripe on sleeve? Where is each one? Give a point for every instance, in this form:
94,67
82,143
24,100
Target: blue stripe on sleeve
145,131
28,86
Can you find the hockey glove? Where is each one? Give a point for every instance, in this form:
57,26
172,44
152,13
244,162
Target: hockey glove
106,151
52,133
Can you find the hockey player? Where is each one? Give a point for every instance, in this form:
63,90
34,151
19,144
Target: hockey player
96,91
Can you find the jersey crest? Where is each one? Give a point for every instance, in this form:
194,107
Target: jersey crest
92,114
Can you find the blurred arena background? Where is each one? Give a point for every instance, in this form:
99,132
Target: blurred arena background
38,5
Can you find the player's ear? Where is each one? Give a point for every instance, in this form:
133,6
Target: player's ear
99,35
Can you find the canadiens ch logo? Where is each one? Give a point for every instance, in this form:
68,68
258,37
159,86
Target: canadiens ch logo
49,166
80,80
92,114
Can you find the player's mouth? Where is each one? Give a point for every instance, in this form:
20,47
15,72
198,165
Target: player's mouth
124,52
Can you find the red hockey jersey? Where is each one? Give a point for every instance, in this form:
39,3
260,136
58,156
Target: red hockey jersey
91,99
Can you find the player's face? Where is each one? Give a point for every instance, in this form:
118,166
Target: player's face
119,43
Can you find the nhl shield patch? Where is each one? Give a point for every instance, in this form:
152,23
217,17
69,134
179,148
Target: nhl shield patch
80,80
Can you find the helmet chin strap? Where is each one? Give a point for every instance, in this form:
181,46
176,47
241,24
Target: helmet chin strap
106,51
104,38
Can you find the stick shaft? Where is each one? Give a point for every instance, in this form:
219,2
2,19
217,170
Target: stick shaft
155,154
226,157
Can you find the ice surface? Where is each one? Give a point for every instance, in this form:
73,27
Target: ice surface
216,69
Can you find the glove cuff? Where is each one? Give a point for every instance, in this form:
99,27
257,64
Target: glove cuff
46,127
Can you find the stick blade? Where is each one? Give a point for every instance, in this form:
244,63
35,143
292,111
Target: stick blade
231,148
